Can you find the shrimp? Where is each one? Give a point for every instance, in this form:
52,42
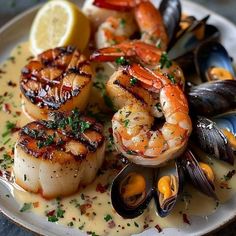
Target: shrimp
123,90
148,18
115,30
132,124
99,15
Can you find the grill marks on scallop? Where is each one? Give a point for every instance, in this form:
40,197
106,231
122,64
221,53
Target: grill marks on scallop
55,76
78,145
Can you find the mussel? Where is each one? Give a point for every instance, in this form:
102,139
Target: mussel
132,190
167,188
227,124
212,140
212,98
198,32
171,13
199,174
213,62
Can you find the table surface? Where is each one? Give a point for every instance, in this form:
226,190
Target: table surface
11,8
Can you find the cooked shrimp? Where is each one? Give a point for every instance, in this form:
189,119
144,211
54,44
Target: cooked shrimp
148,18
99,15
59,79
115,30
132,124
123,90
55,157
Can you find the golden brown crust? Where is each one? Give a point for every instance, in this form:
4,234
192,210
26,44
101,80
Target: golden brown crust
56,76
65,138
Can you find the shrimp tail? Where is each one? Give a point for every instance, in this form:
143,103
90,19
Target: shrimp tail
146,53
118,5
152,81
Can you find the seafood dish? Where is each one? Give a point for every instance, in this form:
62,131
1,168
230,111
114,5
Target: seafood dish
127,133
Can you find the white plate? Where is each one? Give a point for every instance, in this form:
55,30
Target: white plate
17,31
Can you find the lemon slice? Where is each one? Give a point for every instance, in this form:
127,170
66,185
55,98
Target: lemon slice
59,23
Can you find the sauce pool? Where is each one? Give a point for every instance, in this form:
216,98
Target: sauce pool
90,209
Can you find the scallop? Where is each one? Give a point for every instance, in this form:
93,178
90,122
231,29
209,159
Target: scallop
59,79
57,156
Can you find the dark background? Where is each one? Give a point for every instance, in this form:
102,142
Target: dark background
10,8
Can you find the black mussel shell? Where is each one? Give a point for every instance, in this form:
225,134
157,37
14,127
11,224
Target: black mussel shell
169,204
212,54
212,140
121,207
171,13
212,98
196,175
190,39
226,121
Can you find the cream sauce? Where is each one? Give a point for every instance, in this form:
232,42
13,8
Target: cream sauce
98,204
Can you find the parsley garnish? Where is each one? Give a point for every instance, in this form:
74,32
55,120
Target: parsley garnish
26,207
171,78
122,22
84,125
133,81
107,217
164,61
126,122
158,106
52,218
121,61
9,127
136,224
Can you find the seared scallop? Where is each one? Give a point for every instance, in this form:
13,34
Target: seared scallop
58,79
57,156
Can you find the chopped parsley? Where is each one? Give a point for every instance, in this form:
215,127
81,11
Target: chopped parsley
136,224
6,162
121,61
171,78
126,122
9,127
49,140
164,61
133,81
26,207
108,218
52,218
84,125
122,23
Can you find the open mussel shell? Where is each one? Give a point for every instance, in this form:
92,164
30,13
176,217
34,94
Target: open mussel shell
196,175
128,202
226,121
212,140
197,33
171,13
212,98
175,175
210,56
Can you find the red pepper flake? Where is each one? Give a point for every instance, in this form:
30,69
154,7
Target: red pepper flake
158,228
145,226
6,108
111,224
5,94
224,185
35,204
51,213
18,113
11,84
2,149
185,219
110,130
102,188
73,218
84,207
0,173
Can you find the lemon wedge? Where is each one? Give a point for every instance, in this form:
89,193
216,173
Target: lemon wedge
59,23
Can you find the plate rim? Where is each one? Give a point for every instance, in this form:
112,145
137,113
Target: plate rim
28,226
